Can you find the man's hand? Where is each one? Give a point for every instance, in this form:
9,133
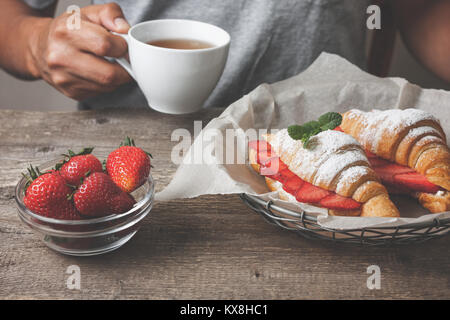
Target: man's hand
72,60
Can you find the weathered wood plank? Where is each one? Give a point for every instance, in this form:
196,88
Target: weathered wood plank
209,247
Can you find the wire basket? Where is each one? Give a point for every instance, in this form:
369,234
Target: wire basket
307,225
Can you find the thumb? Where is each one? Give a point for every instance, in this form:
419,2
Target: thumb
109,16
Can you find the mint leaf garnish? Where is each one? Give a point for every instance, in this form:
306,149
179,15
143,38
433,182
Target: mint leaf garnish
311,126
296,132
330,120
329,116
306,142
327,121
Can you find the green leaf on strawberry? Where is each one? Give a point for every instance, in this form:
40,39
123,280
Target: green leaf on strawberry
70,154
130,142
33,174
76,166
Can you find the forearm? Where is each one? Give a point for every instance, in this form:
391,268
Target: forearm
425,28
19,28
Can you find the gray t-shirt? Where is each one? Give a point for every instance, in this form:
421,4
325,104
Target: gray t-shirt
271,40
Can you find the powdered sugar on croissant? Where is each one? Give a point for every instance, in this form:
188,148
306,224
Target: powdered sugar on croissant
335,161
330,152
409,137
376,126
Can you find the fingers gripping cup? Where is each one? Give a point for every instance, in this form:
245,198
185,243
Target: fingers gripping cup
175,80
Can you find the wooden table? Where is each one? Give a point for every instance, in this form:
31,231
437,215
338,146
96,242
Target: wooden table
209,247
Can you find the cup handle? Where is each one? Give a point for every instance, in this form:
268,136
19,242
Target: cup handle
122,61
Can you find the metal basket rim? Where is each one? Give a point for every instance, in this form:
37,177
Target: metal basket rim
312,218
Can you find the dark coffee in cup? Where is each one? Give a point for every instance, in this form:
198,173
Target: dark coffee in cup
181,44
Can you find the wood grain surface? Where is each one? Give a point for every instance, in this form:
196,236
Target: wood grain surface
208,247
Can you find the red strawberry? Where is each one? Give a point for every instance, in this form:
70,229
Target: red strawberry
371,155
337,202
272,166
397,189
128,166
400,179
91,198
378,162
416,182
387,172
292,184
100,196
48,195
265,155
75,169
67,212
338,128
286,174
277,176
121,203
311,194
259,145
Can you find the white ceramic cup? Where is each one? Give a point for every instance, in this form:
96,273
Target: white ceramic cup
175,81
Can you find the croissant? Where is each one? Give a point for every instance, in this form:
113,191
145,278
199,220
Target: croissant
413,146
333,173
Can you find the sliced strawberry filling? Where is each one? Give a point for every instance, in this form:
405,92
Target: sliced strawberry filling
272,167
337,202
402,179
398,178
259,145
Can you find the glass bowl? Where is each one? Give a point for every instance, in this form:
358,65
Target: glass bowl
89,236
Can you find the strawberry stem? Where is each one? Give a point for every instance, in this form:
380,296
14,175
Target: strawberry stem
130,142
70,195
74,190
33,174
70,154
